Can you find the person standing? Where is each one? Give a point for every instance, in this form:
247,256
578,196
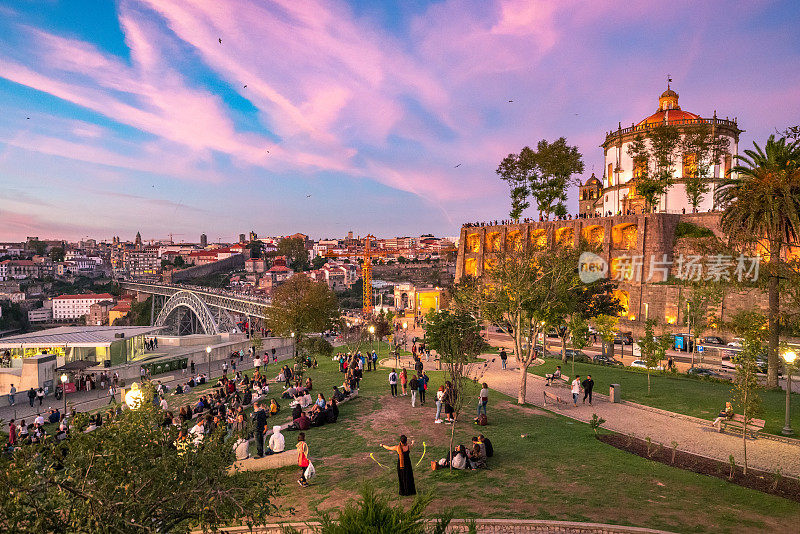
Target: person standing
503,358
12,434
260,418
12,395
112,391
191,366
588,385
31,396
421,388
439,404
374,361
393,382
302,458
483,399
413,385
405,475
403,381
576,389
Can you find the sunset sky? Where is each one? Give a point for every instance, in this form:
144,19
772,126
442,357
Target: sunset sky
131,115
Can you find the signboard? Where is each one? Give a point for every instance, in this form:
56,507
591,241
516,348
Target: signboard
69,387
700,348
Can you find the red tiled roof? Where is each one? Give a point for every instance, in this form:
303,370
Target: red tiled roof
101,296
279,269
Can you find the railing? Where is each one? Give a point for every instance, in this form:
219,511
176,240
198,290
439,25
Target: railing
680,122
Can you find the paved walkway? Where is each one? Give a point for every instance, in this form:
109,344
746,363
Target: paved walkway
692,435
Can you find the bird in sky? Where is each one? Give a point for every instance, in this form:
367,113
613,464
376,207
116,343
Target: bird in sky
245,86
308,196
27,118
510,101
457,166
220,40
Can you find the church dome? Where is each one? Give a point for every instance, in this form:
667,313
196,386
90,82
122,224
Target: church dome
668,111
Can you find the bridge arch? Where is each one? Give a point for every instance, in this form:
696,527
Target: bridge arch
191,301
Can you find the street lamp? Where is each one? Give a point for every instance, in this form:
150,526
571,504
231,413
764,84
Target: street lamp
208,357
372,333
134,397
294,348
64,379
405,336
789,356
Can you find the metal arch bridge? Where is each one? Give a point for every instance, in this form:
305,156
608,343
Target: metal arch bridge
212,309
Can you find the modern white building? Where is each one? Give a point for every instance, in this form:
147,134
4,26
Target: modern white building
616,192
76,306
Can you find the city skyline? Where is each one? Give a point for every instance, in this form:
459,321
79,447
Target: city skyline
377,117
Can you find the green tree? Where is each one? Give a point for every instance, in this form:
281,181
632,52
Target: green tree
301,306
456,338
606,326
761,210
517,293
257,341
579,335
704,148
295,251
179,262
699,308
318,262
543,175
750,326
654,158
128,476
648,345
57,254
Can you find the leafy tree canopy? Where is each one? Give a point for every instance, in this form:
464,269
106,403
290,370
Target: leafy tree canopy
302,306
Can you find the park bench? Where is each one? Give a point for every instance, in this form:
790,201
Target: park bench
554,399
562,380
737,422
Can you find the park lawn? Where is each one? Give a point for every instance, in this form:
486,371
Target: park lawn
676,393
558,471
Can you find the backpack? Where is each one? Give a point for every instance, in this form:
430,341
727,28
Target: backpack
413,383
482,420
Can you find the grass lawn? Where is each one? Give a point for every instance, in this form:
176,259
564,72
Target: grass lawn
559,471
676,393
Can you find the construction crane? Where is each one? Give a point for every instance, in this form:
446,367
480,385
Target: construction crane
366,267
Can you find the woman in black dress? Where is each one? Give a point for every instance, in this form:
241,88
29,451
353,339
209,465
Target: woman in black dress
404,473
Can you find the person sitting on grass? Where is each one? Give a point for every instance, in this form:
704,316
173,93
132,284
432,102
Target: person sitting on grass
274,407
319,405
478,454
487,444
309,384
301,423
553,376
338,396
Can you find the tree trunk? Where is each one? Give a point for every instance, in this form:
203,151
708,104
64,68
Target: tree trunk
648,381
564,349
744,435
523,383
774,310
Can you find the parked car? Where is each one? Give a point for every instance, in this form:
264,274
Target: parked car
623,338
579,355
712,340
642,365
702,371
736,343
602,359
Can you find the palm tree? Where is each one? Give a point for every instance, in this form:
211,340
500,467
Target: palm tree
761,208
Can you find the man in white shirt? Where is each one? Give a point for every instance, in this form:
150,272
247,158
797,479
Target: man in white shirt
163,404
277,443
393,382
576,389
39,420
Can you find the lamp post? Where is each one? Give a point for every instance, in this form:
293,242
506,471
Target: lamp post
64,379
372,335
405,336
208,357
294,348
789,356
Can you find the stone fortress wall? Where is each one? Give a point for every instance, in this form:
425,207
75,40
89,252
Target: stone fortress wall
651,236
